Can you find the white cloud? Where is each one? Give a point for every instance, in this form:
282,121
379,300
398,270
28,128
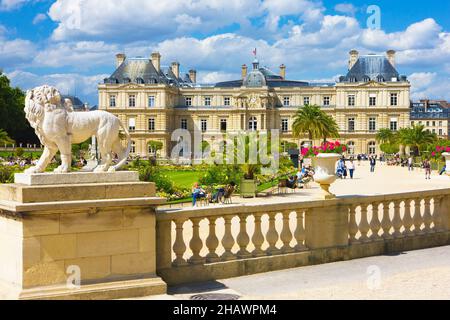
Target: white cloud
215,76
15,52
420,35
138,20
346,8
8,5
84,87
429,85
39,18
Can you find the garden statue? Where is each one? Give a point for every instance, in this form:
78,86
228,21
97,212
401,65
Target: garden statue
58,127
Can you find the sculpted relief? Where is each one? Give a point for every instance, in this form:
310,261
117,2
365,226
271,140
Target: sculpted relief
58,127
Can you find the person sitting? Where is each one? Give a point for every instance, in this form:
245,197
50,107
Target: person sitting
218,195
291,182
197,193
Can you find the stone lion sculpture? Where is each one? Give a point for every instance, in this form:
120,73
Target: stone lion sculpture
58,127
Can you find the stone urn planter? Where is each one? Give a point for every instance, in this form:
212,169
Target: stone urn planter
248,188
447,162
325,172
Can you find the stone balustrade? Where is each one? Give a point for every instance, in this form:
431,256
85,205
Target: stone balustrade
225,241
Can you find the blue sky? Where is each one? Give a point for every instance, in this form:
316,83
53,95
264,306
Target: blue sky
72,43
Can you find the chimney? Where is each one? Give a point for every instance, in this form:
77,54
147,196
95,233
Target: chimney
244,71
354,55
120,58
156,61
176,69
193,76
391,57
283,71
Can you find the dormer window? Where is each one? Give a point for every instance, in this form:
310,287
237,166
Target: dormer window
140,81
380,79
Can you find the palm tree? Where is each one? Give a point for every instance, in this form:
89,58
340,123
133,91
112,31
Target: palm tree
4,138
415,137
385,136
311,120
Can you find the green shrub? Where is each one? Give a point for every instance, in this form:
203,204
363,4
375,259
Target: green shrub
19,152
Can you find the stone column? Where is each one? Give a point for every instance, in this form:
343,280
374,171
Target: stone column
333,222
78,236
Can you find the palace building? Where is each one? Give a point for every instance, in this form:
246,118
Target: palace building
153,101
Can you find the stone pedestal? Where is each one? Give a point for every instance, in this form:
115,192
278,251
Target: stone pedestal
81,240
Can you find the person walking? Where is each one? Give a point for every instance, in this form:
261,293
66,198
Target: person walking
373,163
410,163
427,167
351,168
444,169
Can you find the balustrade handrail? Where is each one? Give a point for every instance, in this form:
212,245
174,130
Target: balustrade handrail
247,208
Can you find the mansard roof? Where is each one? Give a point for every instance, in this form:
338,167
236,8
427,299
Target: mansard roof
372,68
141,70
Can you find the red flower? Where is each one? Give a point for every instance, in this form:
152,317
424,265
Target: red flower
433,154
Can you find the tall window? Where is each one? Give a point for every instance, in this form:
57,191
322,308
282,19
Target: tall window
393,124
440,132
372,148
351,100
184,124
112,101
372,124
286,101
133,147
151,124
132,124
132,100
351,147
305,101
188,101
284,125
372,101
253,124
394,99
227,101
204,125
151,101
434,123
223,124
351,124
207,101
326,101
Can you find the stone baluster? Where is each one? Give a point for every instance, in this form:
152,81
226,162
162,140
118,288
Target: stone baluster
353,226
386,223
258,237
286,234
417,217
408,221
375,223
364,226
228,240
427,217
212,242
299,233
272,235
437,214
397,221
196,243
243,239
179,247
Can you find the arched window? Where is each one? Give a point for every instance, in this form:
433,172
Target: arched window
253,124
133,147
351,147
372,148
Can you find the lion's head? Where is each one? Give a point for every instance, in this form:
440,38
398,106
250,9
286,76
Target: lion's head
38,101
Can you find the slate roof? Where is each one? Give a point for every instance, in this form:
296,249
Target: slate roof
372,68
142,71
266,76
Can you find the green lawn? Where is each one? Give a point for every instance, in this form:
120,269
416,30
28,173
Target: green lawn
183,179
5,154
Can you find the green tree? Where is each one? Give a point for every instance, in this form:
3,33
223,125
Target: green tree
386,136
155,145
12,115
4,138
314,122
416,137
